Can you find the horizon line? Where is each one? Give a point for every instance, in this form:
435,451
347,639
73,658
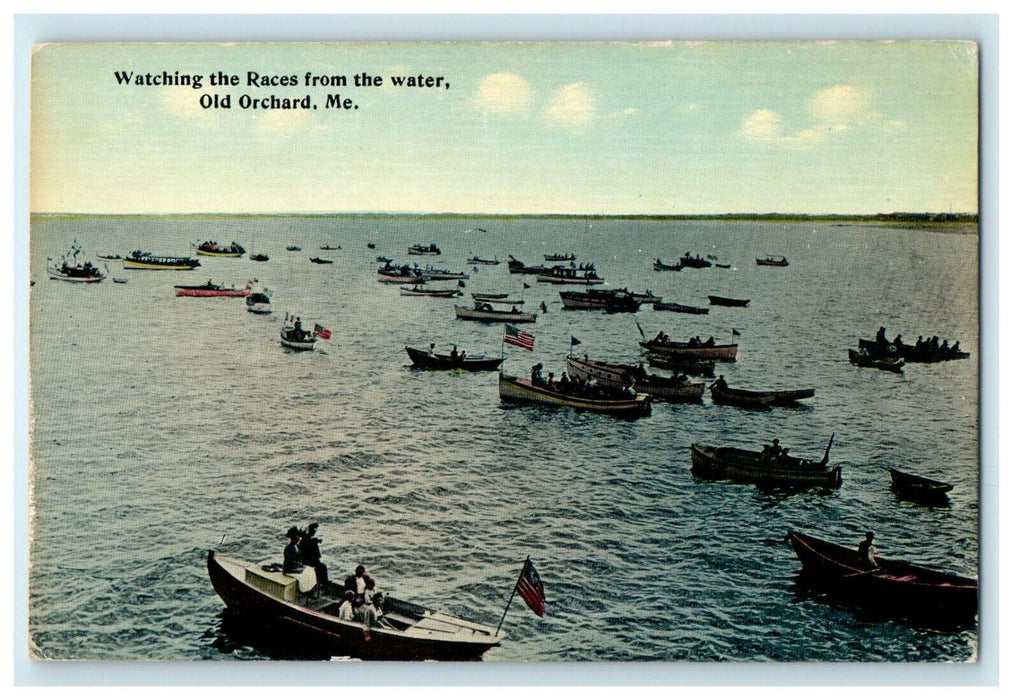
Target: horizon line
946,216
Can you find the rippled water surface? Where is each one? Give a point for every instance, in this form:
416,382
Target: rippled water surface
166,426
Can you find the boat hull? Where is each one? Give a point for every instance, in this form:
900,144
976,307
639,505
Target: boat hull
493,316
896,586
515,390
745,466
331,636
888,364
300,345
423,360
726,301
157,263
718,353
88,279
622,376
679,308
186,292
910,353
758,399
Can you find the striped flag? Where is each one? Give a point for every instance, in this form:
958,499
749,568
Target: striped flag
515,336
529,585
323,333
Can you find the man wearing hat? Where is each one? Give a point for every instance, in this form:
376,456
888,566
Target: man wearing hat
291,553
311,556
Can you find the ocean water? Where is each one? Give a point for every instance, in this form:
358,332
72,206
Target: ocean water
163,427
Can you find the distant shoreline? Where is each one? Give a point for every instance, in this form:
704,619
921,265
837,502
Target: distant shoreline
905,220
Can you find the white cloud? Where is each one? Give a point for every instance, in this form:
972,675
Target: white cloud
573,105
761,125
503,93
841,104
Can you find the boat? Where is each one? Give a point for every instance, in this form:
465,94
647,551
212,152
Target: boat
383,259
696,262
515,390
898,587
321,261
138,260
679,308
234,250
487,299
691,350
435,273
419,249
405,274
293,248
329,247
679,365
660,266
724,266
120,280
71,270
483,296
865,359
725,395
560,257
293,336
110,256
418,291
211,290
727,301
259,257
570,275
912,353
918,488
773,261
620,376
485,312
424,359
516,267
645,297
475,260
279,604
762,469
259,302
601,299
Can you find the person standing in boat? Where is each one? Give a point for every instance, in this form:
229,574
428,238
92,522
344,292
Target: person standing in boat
291,554
880,336
866,550
312,556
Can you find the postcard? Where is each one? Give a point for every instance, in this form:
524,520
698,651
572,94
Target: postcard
505,351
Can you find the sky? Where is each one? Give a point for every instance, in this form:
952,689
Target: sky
668,128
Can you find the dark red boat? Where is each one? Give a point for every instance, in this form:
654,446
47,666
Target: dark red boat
405,631
896,586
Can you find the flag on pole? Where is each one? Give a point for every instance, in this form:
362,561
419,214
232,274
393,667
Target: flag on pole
515,336
529,585
323,333
736,332
574,341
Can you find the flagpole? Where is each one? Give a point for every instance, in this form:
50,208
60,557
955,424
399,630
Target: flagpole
512,594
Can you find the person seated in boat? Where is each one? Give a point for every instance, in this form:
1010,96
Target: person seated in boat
770,454
291,554
298,333
312,556
721,382
866,550
934,342
898,340
956,346
346,611
432,349
368,611
944,346
920,343
710,342
536,375
454,355
880,336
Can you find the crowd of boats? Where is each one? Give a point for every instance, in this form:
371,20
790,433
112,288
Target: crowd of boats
626,390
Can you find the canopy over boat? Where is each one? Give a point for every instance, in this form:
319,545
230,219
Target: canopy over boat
899,587
404,631
424,359
516,390
767,467
620,376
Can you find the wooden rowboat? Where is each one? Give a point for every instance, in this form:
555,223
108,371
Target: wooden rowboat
720,353
679,308
515,390
898,587
865,359
485,312
727,301
918,488
728,396
417,291
422,359
755,467
276,602
619,376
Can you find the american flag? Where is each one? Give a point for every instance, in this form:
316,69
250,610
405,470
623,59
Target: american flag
529,585
323,333
515,336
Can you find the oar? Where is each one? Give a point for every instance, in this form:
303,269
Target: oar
862,573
